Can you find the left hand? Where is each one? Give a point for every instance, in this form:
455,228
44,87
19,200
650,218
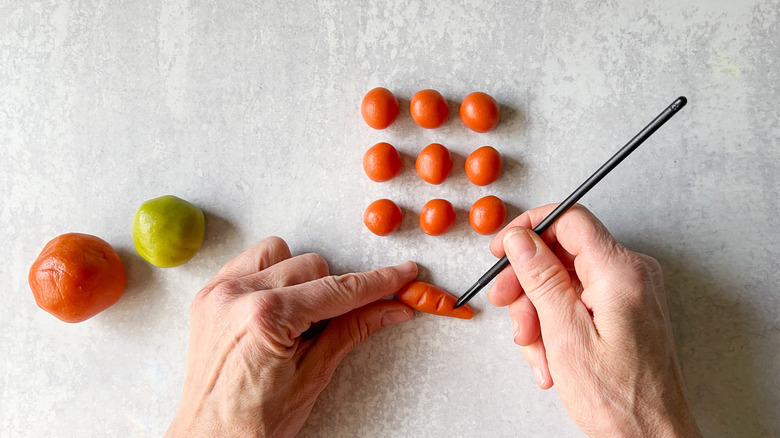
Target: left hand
249,371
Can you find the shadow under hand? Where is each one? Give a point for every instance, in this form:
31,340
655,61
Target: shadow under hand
720,346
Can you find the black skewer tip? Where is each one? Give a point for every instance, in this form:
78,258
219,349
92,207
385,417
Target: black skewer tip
476,287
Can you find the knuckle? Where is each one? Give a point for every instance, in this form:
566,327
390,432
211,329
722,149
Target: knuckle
638,270
634,280
610,248
317,264
228,288
268,307
346,283
264,282
199,302
271,250
359,329
583,210
547,280
271,317
652,268
271,279
215,296
278,245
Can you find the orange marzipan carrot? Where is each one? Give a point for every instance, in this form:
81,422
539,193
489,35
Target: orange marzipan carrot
428,298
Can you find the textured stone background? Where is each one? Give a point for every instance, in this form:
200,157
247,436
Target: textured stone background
250,110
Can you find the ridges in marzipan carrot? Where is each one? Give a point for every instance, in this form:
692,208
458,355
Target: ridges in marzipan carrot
428,298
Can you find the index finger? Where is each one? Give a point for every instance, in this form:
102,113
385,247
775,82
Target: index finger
332,296
577,231
528,219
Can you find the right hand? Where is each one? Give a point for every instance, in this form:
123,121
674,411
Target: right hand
591,316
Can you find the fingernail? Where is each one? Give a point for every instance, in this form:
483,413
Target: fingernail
519,246
539,376
395,317
407,268
515,329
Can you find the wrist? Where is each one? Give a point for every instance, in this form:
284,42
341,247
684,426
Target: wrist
655,414
678,424
670,420
210,420
674,418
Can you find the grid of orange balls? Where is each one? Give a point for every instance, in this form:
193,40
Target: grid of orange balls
382,162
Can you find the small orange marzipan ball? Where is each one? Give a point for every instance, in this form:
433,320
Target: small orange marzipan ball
434,163
382,217
487,215
479,112
382,162
484,165
437,217
379,108
429,109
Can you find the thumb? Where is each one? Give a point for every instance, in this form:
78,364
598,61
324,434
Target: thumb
544,280
345,332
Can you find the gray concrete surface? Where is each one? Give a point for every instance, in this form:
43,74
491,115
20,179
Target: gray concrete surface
251,111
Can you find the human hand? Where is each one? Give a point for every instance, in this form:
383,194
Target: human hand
249,371
591,316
